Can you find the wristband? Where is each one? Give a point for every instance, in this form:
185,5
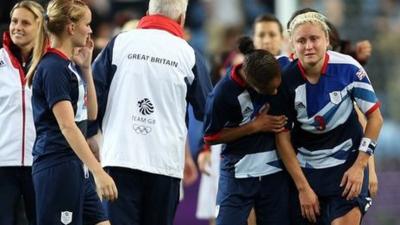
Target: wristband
367,145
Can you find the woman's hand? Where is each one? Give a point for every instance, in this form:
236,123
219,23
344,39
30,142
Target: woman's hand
309,203
264,122
83,55
373,182
352,182
105,186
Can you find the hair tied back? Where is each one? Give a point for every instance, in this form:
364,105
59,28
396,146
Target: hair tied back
246,45
46,17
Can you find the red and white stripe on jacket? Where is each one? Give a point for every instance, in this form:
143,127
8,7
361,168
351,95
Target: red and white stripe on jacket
17,131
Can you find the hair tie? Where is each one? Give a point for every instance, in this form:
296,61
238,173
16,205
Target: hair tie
46,17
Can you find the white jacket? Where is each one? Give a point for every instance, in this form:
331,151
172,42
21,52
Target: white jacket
144,79
17,131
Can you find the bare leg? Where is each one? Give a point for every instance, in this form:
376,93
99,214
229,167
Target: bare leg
351,218
251,220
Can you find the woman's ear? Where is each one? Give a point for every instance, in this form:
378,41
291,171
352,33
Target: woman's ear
71,28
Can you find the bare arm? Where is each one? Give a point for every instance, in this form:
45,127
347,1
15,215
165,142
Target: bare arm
94,145
308,199
373,178
352,179
91,95
63,112
190,171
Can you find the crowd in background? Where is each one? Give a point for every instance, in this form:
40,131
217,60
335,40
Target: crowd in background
213,26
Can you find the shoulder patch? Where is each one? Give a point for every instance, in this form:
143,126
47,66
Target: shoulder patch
361,74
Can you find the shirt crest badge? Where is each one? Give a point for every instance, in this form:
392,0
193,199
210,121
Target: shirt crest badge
335,97
66,217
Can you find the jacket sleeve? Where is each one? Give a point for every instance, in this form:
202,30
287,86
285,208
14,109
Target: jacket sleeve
103,73
200,87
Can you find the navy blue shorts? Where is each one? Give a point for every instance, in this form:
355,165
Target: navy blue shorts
267,194
143,198
16,182
66,195
326,185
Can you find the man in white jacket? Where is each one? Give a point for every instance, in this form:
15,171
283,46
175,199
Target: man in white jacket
144,79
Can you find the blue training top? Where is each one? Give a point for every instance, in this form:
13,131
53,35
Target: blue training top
56,79
324,125
233,104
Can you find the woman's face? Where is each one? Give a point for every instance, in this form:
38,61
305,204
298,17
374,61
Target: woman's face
82,29
23,28
267,36
310,43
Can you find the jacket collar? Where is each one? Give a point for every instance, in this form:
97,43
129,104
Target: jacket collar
162,23
323,69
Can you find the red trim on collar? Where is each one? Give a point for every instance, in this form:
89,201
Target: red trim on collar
236,77
323,69
57,52
162,23
302,70
7,43
325,65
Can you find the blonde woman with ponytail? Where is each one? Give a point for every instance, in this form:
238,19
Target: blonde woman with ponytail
63,100
16,122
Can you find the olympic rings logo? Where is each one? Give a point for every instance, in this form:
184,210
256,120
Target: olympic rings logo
140,129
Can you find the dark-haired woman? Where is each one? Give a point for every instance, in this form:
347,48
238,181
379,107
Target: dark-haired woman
63,99
236,115
16,122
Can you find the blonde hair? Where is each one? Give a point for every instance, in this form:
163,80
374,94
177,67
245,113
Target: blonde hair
169,8
59,14
35,8
309,17
38,12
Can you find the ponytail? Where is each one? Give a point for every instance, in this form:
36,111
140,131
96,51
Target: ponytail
245,45
38,51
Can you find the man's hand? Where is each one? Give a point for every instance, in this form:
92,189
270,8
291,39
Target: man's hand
204,162
363,50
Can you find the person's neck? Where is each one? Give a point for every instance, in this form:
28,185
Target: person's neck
25,53
63,46
313,72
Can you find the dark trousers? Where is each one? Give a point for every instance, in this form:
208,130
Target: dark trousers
16,183
143,198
